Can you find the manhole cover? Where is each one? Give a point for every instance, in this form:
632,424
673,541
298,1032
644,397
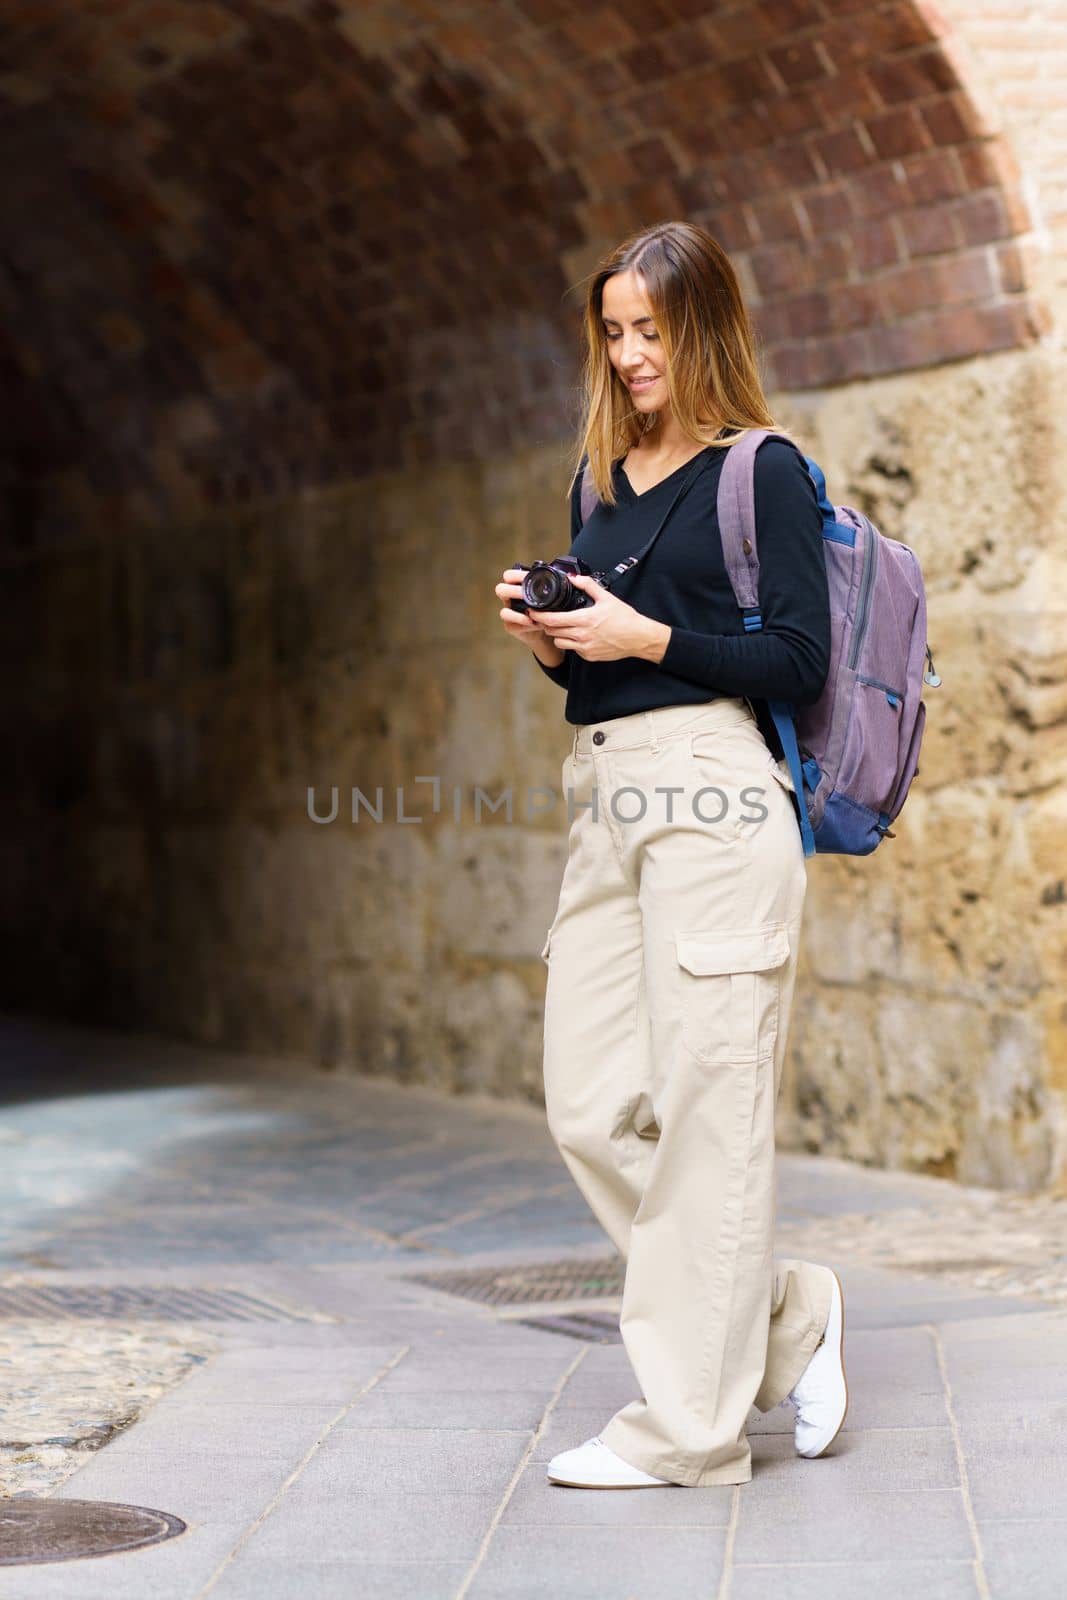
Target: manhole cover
592,1326
146,1304
531,1282
66,1530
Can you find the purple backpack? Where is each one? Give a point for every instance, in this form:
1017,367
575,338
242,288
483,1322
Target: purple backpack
851,755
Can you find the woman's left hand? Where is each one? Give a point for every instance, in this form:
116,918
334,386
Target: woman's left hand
608,630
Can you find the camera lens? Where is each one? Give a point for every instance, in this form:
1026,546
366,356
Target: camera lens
543,588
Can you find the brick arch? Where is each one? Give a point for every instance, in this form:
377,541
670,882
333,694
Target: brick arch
252,245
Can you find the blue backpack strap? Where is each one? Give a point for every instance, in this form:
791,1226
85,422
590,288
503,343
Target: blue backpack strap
737,525
782,712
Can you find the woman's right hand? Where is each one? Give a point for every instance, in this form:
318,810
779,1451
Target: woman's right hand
523,625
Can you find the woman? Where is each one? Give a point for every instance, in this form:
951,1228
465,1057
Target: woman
673,952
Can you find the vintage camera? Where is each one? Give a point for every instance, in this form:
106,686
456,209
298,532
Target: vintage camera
547,585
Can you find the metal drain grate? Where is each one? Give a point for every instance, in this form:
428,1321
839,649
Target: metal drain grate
145,1303
592,1326
531,1282
33,1531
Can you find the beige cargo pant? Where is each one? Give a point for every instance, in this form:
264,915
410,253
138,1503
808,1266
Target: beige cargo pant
671,966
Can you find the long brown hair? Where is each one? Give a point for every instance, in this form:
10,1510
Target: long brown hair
711,369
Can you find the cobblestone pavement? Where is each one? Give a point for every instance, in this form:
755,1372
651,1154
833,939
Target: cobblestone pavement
327,1425
69,1387
993,1243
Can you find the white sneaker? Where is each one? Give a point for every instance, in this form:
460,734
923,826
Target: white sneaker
821,1393
594,1465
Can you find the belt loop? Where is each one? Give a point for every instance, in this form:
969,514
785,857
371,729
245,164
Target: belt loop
574,742
653,739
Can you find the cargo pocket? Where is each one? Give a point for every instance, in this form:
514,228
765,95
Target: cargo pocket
730,988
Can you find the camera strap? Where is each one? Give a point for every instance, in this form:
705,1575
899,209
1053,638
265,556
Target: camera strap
690,478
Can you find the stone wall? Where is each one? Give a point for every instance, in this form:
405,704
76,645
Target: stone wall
288,355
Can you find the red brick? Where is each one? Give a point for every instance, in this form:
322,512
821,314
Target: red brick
847,356
544,11
597,31
898,133
987,163
880,34
1010,268
686,46
908,289
952,119
797,63
856,305
780,268
990,214
970,276
748,176
937,175
604,76
929,230
740,32
651,158
646,17
776,218
645,62
791,165
695,95
828,209
830,259
898,346
796,113
729,225
746,80
801,316
849,96
878,192
770,319
789,16
910,77
841,152
875,245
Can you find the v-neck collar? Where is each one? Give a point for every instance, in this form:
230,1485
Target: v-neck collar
643,495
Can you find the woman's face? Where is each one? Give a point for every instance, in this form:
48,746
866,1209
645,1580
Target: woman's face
634,349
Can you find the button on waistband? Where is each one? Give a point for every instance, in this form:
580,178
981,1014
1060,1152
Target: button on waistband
599,737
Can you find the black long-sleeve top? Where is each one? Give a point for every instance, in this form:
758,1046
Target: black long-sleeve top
683,582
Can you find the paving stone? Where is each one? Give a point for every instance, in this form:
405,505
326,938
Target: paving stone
885,1459
823,1519
417,1459
475,1376
640,1563
450,1408
227,1430
1024,1558
1006,1485
360,1525
261,1579
188,1485
933,1580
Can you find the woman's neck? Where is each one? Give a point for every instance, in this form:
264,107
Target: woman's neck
665,439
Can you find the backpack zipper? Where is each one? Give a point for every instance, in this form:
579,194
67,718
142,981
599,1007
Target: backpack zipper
866,580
